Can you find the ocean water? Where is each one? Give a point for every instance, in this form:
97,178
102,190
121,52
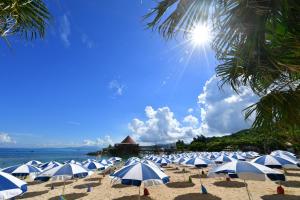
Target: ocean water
13,156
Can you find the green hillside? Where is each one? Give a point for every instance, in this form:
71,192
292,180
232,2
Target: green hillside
245,140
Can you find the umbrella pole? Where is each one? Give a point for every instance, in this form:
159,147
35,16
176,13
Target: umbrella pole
200,176
139,192
247,189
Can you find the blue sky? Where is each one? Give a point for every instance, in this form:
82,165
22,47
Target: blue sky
94,75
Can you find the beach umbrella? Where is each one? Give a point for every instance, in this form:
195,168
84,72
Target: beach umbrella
276,162
72,162
139,173
21,170
238,157
94,166
180,160
115,159
48,164
64,172
106,162
11,186
223,158
163,161
281,153
248,171
197,162
34,162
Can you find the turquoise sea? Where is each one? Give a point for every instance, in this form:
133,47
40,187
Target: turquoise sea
13,156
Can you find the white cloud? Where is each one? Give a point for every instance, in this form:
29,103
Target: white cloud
116,87
6,139
191,120
161,126
65,30
222,110
102,142
87,41
190,110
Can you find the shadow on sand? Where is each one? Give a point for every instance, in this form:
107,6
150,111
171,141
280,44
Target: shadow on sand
34,183
292,174
280,197
58,184
197,176
133,197
182,172
180,184
295,184
93,179
171,169
229,184
71,196
29,195
121,186
85,185
197,196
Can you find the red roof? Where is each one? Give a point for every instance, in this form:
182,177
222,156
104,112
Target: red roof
128,140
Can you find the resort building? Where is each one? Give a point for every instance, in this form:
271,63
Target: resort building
127,147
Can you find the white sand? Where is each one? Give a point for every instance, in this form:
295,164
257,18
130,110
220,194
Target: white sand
177,189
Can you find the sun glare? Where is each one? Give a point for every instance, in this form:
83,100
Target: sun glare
200,35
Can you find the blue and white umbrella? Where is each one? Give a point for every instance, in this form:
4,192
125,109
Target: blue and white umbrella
163,161
47,164
115,159
238,157
139,173
180,160
64,172
106,162
94,166
223,158
21,170
248,171
197,162
276,162
52,165
34,162
11,186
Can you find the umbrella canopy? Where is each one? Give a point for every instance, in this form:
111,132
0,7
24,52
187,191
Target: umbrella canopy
11,186
21,170
49,165
238,157
223,158
33,162
66,171
94,166
180,160
248,171
163,161
115,159
197,162
276,162
139,173
106,162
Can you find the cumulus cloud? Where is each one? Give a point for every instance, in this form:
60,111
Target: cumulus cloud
102,142
116,87
65,30
222,110
6,139
191,120
161,126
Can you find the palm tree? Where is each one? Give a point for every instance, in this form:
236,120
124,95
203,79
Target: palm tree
25,18
257,43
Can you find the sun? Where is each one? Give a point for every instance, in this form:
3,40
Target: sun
200,35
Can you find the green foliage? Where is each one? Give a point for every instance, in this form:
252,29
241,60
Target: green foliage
180,146
25,18
257,44
249,139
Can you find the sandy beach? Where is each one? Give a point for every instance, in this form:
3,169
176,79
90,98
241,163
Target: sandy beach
178,189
